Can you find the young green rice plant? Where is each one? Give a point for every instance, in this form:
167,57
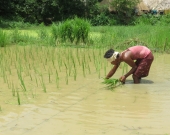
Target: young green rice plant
18,97
13,90
89,56
89,69
105,65
43,84
57,79
49,76
78,59
22,83
21,80
66,78
36,80
75,71
98,68
53,61
111,83
83,66
4,76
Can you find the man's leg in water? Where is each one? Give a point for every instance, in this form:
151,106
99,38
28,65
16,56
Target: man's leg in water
136,79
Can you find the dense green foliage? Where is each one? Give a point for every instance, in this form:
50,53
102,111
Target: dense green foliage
26,13
125,10
148,19
37,11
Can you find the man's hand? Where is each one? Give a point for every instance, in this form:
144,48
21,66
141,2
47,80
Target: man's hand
122,79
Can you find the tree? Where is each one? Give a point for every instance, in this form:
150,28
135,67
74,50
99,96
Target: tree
124,9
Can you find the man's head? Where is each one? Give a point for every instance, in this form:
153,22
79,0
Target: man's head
111,55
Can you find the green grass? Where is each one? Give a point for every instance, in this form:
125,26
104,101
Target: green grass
119,37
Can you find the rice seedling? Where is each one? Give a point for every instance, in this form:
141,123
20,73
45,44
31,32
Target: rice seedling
8,83
43,84
66,78
36,80
21,81
4,76
83,66
18,97
49,76
111,83
57,79
89,69
13,90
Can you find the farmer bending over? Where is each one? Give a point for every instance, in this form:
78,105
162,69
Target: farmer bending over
139,58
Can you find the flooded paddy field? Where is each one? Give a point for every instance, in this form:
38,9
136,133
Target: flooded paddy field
59,91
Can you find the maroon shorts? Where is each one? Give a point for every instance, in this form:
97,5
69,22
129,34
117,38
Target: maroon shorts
143,66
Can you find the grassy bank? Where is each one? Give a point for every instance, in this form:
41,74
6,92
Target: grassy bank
118,37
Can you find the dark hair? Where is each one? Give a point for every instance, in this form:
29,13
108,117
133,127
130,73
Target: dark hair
109,53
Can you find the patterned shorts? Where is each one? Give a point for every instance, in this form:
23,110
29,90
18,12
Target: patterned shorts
143,66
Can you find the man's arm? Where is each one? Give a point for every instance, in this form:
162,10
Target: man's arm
127,59
112,71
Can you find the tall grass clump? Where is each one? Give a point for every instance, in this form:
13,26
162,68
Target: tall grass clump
3,38
15,36
75,30
54,33
43,34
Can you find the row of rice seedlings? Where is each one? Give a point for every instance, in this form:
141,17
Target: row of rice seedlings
21,81
70,59
74,65
66,78
43,83
49,75
15,92
57,79
18,97
8,62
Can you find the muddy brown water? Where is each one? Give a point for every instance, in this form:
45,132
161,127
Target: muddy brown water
87,107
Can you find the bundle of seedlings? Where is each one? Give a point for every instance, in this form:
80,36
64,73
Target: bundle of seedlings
112,83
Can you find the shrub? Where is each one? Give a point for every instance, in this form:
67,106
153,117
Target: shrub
74,30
